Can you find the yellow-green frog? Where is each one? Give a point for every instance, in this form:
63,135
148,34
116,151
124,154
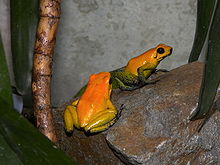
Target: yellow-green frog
93,111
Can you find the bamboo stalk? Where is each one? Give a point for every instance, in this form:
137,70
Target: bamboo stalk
42,66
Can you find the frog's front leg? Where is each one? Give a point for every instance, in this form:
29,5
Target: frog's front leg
70,117
145,71
103,120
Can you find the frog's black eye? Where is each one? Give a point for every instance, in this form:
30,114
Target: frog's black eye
160,50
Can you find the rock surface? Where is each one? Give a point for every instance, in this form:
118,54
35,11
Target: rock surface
154,126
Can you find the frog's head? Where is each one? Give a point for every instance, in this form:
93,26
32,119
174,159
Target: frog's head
100,82
101,78
162,51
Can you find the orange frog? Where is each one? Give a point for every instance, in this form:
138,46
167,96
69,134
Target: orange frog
137,71
93,111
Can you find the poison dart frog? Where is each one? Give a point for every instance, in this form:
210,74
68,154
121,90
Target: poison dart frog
93,111
138,69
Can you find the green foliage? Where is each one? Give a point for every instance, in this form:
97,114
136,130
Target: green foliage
24,19
20,142
7,156
211,76
27,144
5,87
204,14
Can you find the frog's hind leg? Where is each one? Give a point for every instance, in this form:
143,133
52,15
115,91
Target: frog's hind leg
70,117
103,127
103,120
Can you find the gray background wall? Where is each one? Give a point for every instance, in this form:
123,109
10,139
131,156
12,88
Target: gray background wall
101,35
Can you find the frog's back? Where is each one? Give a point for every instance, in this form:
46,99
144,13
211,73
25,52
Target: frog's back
94,97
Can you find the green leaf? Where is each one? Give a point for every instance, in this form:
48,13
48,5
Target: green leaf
7,155
24,19
30,146
5,87
205,9
211,76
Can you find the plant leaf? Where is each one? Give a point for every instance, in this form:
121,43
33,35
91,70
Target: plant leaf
211,76
24,18
205,9
5,87
7,155
30,146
